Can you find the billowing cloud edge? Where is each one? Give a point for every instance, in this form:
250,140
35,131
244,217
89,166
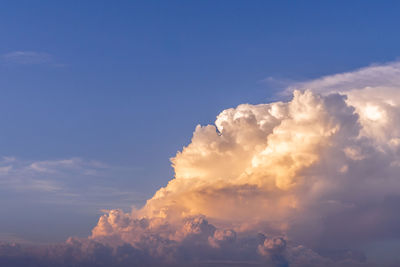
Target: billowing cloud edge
302,183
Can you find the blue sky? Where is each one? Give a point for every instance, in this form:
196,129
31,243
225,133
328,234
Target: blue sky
98,95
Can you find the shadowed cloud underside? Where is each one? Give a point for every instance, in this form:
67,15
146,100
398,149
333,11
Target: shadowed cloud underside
306,182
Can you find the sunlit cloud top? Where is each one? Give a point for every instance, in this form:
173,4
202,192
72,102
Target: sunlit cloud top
312,181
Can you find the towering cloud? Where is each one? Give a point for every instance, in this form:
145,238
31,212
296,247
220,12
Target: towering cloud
318,174
310,182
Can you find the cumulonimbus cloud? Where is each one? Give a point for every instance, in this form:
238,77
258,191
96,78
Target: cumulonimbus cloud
309,182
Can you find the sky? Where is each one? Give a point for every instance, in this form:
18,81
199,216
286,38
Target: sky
97,97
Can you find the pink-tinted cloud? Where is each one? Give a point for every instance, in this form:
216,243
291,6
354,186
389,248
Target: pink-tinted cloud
308,182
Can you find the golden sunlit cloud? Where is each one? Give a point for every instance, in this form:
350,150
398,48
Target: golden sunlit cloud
282,169
308,182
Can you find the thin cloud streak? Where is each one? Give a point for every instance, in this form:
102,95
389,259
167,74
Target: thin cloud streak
27,57
42,175
376,75
60,182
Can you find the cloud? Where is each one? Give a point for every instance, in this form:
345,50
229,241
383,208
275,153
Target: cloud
307,182
73,181
259,170
27,57
323,166
189,248
76,164
374,76
44,175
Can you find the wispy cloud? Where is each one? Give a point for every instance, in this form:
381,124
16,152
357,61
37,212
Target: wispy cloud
277,83
321,166
45,175
27,57
374,76
75,181
72,164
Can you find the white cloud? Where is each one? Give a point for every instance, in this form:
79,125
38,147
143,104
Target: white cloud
77,164
323,166
375,76
88,185
27,57
308,182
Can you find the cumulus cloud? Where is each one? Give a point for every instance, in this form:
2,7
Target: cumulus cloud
270,169
308,182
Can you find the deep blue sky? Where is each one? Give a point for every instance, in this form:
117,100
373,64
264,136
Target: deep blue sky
125,83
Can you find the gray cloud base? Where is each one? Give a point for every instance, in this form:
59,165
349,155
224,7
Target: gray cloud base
311,182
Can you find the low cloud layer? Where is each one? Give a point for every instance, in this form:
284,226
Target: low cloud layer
309,182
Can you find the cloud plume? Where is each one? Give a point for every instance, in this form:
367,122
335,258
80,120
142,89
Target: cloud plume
308,182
